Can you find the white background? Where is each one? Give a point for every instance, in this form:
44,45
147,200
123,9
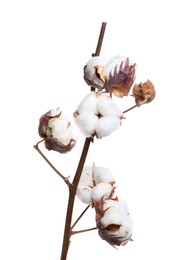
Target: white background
43,48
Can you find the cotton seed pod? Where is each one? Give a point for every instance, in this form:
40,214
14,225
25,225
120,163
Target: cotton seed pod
115,75
92,72
113,221
56,131
102,119
144,92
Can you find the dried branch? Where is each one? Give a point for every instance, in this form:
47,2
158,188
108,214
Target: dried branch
72,190
50,164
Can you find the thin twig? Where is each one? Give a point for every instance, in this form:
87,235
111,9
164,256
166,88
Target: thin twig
77,220
127,110
100,40
71,199
50,164
83,230
99,44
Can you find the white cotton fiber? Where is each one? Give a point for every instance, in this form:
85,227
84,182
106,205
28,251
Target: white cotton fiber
84,194
106,125
90,69
112,64
87,123
88,104
61,129
116,212
86,179
101,190
102,174
106,106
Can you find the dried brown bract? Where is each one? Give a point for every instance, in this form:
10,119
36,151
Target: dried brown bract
143,92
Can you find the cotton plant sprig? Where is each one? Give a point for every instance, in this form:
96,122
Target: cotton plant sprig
97,116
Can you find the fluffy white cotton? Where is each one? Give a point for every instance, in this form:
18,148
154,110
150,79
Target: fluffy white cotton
84,194
85,185
86,178
61,128
107,107
95,183
97,115
101,190
126,228
113,64
90,68
116,212
102,174
88,104
87,123
107,125
120,205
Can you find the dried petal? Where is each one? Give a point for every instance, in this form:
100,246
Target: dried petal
121,80
143,92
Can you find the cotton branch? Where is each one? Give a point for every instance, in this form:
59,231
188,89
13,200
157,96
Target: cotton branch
50,164
129,109
72,190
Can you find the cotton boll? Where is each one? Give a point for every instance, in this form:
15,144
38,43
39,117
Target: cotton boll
87,123
106,125
102,174
90,70
106,107
88,104
101,190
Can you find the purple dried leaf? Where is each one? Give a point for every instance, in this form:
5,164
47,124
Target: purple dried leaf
121,81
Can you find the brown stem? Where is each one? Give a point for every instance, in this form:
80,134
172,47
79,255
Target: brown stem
83,230
72,192
100,40
99,44
127,110
50,164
